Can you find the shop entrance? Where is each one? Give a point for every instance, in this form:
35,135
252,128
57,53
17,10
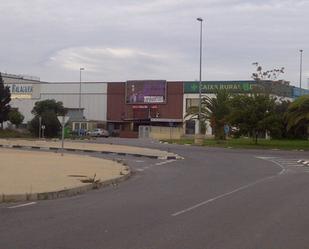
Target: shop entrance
144,131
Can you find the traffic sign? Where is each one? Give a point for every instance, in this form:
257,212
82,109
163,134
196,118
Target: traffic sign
63,119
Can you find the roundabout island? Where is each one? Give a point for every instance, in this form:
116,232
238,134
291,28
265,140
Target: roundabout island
31,175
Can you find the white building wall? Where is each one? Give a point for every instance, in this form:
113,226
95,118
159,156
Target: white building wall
93,97
195,96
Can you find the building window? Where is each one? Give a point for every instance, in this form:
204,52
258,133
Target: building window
191,102
76,126
84,126
190,127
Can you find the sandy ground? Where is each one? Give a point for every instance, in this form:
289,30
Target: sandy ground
36,172
89,146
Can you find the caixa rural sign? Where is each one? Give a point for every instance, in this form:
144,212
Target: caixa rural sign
214,86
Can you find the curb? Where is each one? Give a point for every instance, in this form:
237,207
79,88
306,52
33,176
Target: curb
63,193
176,157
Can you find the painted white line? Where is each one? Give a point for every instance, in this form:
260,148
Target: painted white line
287,163
165,162
266,158
290,161
23,205
229,193
161,163
220,196
295,165
283,169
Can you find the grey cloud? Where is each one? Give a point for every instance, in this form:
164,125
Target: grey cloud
50,38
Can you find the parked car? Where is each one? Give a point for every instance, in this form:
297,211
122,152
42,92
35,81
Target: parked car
98,133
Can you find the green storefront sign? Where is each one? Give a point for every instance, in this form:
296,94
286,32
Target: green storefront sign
214,86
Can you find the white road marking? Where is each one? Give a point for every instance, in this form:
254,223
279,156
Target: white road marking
283,170
23,205
165,162
220,196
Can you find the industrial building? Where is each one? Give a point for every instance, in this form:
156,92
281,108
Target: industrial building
26,90
132,108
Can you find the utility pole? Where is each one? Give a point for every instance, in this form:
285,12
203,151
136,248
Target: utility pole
301,70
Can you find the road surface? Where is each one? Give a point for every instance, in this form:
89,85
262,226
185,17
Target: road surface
213,199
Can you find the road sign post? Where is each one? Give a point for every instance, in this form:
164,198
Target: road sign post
62,120
40,126
43,130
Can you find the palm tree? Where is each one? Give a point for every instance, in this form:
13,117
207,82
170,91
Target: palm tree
215,110
298,114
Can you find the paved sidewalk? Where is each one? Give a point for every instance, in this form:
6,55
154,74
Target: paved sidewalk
24,174
72,145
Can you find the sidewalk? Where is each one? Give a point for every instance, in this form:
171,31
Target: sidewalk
29,175
83,146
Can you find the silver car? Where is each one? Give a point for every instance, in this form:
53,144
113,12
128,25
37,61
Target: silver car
98,133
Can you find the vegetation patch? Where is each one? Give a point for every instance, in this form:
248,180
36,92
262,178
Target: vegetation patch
13,134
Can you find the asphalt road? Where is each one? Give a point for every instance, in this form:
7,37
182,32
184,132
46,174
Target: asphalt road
213,199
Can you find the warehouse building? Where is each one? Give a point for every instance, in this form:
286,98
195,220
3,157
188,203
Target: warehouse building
137,108
26,90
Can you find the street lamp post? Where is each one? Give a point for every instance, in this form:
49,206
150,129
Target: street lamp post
200,80
301,70
80,94
80,87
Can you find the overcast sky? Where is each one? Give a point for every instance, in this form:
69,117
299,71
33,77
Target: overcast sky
118,40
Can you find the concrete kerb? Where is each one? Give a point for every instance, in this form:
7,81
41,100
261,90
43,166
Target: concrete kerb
65,192
176,157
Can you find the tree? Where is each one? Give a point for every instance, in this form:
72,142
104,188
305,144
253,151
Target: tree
297,115
280,131
215,110
253,115
48,110
261,75
5,98
266,80
15,117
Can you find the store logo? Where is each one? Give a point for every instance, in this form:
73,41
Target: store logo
213,87
21,89
194,87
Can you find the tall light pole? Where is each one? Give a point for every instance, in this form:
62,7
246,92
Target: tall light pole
80,87
301,70
200,83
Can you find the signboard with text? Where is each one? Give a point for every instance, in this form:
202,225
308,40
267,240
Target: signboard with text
24,91
146,92
214,86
